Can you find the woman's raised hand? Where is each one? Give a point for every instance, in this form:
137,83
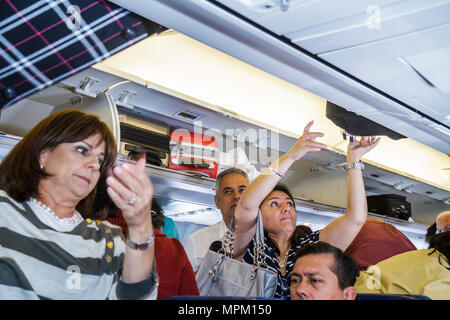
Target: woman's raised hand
131,190
306,143
356,149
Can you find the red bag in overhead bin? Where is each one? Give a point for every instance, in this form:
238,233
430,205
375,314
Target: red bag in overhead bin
194,153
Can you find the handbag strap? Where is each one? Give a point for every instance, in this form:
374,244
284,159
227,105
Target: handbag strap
227,244
259,257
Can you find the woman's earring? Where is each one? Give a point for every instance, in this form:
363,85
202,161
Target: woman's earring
41,165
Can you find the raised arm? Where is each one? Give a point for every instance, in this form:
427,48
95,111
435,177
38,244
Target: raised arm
341,231
131,190
247,207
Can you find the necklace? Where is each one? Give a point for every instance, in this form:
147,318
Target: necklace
282,262
74,219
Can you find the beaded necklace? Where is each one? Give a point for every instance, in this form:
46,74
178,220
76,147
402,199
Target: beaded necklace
74,219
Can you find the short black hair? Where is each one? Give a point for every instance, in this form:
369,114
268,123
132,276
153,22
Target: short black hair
344,267
302,231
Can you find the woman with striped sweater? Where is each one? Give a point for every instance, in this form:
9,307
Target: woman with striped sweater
52,246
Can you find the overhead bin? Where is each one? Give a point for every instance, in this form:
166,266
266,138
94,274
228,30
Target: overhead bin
145,135
242,30
322,178
18,120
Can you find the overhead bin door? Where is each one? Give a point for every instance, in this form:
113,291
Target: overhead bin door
399,47
43,42
412,68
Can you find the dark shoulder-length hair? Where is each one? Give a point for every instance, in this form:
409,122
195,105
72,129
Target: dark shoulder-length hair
20,172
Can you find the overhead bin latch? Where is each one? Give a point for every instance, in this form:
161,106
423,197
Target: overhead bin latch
122,99
85,87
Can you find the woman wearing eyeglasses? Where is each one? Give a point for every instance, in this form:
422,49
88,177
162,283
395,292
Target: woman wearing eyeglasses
52,245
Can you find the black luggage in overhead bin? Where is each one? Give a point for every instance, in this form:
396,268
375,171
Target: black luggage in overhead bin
357,125
391,205
141,134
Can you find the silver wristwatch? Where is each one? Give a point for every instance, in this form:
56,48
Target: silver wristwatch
354,165
141,246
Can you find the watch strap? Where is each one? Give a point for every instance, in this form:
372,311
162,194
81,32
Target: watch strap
144,246
354,165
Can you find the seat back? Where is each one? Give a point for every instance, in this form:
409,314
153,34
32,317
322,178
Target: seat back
375,296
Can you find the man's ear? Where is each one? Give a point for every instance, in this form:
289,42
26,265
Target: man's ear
349,293
216,201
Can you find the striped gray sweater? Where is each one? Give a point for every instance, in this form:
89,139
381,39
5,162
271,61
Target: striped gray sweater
43,258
